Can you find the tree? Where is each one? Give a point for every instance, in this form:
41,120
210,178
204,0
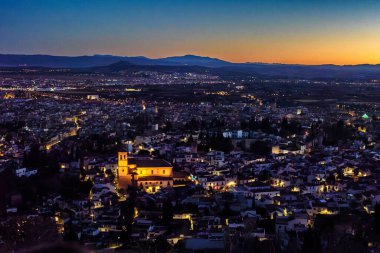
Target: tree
221,143
265,125
168,126
190,139
284,123
167,212
160,245
261,148
143,152
193,124
377,219
128,213
227,212
34,158
264,175
311,242
253,207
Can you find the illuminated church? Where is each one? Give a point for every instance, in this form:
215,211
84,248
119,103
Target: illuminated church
149,174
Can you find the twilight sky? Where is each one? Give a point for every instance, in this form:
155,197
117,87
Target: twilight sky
287,31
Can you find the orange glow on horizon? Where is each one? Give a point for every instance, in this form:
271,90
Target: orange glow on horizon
336,46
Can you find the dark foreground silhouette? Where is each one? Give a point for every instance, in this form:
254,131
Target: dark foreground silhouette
56,248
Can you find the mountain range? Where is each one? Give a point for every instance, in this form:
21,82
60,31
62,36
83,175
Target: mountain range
13,60
192,63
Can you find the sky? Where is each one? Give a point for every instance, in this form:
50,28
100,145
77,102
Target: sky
287,31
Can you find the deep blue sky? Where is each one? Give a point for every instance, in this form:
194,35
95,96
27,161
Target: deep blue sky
309,31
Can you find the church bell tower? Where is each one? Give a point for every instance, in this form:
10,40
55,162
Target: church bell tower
122,164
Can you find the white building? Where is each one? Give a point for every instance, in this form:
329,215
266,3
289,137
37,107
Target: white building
24,172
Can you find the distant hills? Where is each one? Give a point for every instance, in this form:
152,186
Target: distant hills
13,60
197,60
191,63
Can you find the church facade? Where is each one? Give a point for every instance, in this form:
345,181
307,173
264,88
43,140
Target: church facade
146,173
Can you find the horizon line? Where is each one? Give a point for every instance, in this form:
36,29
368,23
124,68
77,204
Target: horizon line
189,54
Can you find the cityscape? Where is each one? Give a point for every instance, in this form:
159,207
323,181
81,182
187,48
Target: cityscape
187,153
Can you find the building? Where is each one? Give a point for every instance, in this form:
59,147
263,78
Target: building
24,172
93,97
147,173
216,158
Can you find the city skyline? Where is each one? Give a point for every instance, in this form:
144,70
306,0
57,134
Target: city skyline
178,126
295,32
